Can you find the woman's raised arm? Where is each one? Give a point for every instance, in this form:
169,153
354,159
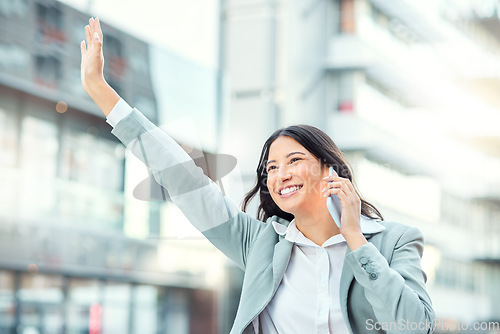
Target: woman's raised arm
92,66
216,216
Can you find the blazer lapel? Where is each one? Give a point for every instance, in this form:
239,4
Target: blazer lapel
281,257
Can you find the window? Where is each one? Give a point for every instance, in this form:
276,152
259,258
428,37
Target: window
39,148
114,47
82,294
146,308
90,159
8,156
343,91
14,59
91,171
177,316
116,307
49,15
48,70
116,64
8,138
7,302
42,303
50,22
14,7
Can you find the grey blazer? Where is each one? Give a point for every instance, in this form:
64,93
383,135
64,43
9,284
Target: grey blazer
382,287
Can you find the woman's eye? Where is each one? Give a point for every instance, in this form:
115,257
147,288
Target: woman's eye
291,161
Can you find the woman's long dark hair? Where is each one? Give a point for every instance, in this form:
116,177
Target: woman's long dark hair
323,148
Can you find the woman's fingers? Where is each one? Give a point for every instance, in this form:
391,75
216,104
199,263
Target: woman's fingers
351,187
335,185
333,179
97,28
335,191
332,184
92,58
87,36
91,27
97,43
82,48
94,28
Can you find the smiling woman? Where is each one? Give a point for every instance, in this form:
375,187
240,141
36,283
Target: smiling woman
316,148
303,274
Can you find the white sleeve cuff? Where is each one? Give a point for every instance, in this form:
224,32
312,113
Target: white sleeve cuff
119,112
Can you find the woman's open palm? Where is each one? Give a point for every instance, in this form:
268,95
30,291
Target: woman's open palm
92,57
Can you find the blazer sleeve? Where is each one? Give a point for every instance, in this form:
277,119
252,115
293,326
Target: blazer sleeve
199,198
396,290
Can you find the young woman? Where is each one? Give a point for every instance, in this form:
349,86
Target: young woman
303,274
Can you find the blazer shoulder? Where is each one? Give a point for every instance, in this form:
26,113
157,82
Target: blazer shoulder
394,229
395,235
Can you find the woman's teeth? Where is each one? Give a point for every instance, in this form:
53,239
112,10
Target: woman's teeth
290,189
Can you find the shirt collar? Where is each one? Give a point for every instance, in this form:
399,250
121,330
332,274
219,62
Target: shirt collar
290,232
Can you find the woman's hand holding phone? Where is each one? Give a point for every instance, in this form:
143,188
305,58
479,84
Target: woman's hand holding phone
333,204
345,207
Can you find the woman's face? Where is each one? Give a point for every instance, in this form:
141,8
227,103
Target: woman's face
294,176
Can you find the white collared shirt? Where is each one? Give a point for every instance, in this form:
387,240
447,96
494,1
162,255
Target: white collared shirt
307,300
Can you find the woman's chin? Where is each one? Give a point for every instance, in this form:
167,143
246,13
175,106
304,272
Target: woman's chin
292,209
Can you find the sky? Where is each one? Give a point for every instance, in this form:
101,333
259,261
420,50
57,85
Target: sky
187,27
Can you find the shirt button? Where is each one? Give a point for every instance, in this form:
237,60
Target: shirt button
363,260
373,276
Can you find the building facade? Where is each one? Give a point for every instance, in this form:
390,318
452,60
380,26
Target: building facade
79,252
406,90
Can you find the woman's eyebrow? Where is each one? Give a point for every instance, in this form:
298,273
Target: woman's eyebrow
287,156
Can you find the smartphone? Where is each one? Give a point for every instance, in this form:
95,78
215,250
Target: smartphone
333,204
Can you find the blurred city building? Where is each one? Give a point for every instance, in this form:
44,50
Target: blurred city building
79,253
408,89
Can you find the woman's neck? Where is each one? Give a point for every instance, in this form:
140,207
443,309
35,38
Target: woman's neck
318,226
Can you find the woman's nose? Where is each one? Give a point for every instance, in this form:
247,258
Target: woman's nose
284,173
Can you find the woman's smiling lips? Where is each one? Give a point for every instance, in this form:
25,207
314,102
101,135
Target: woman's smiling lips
296,188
